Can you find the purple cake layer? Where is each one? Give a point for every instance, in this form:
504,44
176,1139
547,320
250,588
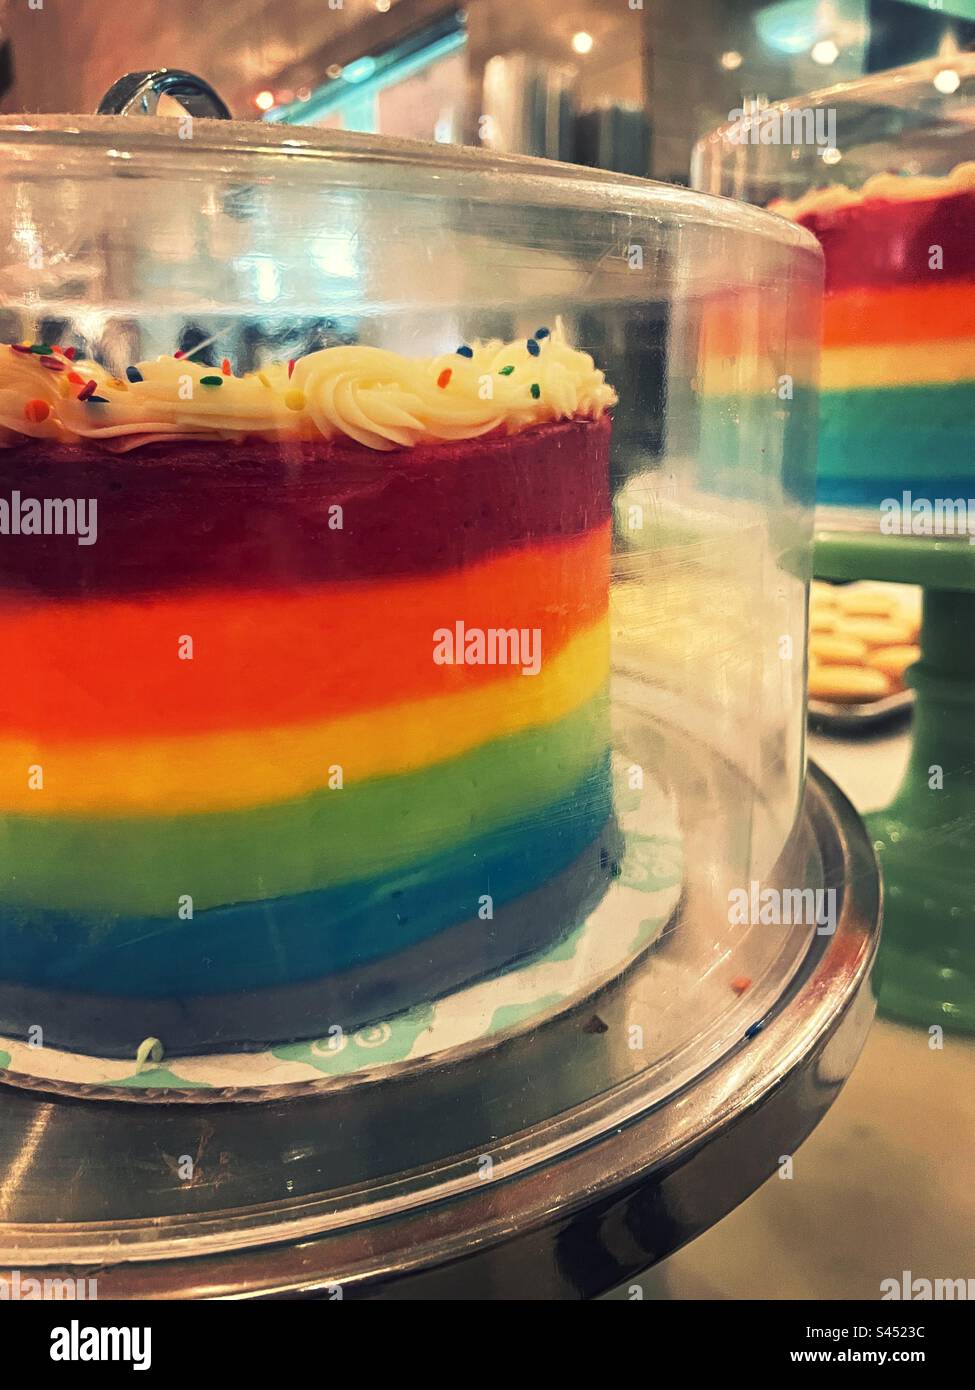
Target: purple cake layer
884,243
218,514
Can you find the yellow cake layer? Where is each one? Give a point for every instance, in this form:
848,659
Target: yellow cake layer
749,376
255,767
902,364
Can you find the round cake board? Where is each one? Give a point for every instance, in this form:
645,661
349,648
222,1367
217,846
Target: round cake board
591,956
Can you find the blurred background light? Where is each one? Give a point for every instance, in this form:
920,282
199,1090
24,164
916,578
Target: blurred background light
824,52
947,81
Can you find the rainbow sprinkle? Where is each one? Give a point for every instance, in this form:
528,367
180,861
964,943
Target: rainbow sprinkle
211,380
225,366
96,400
536,390
505,371
533,348
541,333
465,351
134,374
89,389
291,367
444,377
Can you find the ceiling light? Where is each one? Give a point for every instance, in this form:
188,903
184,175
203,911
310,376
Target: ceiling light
947,81
824,52
582,42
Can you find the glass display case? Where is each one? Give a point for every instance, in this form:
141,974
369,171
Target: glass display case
403,771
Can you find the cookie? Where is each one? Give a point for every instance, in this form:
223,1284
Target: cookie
867,603
862,638
877,632
833,647
847,685
894,661
822,619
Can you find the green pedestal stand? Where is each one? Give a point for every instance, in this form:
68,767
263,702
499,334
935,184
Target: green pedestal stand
925,838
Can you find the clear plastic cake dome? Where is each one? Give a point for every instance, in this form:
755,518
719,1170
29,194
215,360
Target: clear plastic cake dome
882,171
405,775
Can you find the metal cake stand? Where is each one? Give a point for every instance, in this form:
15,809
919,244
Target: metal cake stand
555,1164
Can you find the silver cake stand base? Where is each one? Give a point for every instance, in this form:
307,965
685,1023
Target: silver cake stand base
554,1165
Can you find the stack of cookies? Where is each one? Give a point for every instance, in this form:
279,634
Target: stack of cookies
862,638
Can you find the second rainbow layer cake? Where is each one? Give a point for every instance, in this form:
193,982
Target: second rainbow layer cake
310,723
897,405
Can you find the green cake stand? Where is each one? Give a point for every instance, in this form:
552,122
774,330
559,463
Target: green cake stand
925,839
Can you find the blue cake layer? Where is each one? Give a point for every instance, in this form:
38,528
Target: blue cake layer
301,937
878,443
757,448
466,951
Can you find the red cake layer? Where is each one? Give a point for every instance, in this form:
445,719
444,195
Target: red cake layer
883,243
261,515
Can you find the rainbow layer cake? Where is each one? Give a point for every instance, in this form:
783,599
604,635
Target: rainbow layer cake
305,711
897,406
750,414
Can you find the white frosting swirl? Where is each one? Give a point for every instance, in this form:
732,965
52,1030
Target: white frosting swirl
891,188
377,398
